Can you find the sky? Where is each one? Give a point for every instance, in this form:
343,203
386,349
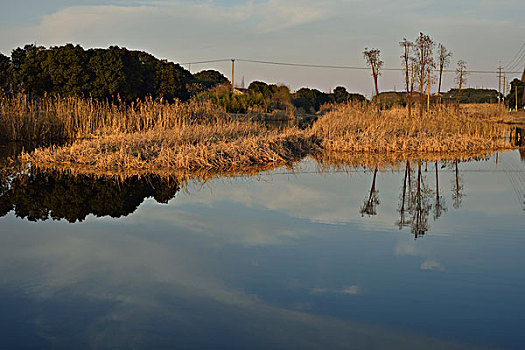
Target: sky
483,33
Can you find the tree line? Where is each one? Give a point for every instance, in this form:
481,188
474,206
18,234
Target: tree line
70,70
99,73
129,75
266,98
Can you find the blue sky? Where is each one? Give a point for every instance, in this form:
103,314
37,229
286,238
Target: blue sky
333,32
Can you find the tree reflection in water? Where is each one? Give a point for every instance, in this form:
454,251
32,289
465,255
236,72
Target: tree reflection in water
43,195
440,206
421,208
405,198
370,205
416,202
457,188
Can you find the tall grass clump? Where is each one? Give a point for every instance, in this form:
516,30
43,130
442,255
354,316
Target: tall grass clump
70,118
363,128
155,136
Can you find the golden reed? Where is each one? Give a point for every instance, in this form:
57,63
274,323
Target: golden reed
155,136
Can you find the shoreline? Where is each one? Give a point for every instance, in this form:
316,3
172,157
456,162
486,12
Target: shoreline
196,138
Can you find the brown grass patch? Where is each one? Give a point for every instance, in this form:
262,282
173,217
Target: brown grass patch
73,118
155,137
362,128
220,146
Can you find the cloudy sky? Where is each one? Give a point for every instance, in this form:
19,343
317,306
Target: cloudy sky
330,32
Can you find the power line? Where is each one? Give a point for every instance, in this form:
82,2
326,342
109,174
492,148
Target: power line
202,62
307,65
323,66
520,61
515,56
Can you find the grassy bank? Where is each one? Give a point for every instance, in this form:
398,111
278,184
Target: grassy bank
153,136
236,146
362,128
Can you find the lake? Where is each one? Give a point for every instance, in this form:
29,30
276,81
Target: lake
296,258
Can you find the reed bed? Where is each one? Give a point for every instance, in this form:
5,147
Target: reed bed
222,145
157,137
363,128
71,118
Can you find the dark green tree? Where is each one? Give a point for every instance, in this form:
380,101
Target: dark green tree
101,73
210,78
310,100
5,64
515,96
66,68
340,94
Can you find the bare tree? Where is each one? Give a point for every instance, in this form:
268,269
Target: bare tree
374,62
461,76
413,74
423,62
430,81
406,60
443,60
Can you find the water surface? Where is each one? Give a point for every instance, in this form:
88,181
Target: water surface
294,258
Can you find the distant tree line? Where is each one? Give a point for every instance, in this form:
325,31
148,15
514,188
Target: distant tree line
99,73
469,95
267,98
71,70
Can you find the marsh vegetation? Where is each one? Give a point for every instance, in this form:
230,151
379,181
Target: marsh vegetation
197,136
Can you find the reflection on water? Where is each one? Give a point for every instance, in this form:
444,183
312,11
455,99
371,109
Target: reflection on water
43,195
303,259
38,195
417,199
370,205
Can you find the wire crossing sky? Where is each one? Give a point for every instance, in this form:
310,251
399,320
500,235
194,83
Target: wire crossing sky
337,67
283,41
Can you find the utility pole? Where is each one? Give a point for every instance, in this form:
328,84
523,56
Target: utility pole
499,84
504,88
516,89
233,73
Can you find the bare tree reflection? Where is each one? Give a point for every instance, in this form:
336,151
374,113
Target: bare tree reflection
422,206
440,205
370,205
405,198
457,188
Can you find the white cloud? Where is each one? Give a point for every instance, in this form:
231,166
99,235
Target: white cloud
350,290
431,265
331,32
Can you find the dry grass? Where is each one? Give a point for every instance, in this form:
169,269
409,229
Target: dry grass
155,137
73,118
362,128
223,145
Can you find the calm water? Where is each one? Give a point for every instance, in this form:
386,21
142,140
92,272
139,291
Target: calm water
291,259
